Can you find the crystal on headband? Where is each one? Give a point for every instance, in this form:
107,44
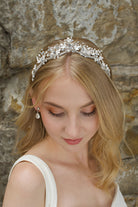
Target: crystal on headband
69,45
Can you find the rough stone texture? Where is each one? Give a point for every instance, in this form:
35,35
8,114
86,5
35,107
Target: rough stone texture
26,26
129,174
126,80
131,201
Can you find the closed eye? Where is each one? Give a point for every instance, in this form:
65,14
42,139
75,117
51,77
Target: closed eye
56,114
89,113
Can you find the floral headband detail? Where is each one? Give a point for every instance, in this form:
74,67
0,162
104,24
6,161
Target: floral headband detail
69,45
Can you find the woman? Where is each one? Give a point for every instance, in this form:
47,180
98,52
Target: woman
72,127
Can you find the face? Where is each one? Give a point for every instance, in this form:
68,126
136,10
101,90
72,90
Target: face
68,114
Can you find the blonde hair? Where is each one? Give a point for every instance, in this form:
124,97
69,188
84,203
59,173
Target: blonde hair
104,146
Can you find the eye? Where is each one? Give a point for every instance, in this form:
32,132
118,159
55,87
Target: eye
56,114
89,113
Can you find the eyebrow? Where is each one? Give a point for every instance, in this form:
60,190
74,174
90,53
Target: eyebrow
60,107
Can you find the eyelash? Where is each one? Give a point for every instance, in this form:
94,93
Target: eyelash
90,114
56,115
62,114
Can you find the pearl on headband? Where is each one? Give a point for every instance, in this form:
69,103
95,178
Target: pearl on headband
69,45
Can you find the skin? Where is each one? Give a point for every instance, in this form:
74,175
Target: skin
67,112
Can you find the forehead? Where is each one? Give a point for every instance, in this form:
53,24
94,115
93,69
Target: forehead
66,91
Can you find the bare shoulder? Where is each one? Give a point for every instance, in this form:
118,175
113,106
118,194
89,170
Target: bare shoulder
26,183
25,172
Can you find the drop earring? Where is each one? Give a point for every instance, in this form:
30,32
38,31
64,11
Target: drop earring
37,115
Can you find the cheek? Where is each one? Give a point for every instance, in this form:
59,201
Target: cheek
46,121
50,123
93,125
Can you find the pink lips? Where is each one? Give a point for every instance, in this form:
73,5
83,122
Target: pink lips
73,141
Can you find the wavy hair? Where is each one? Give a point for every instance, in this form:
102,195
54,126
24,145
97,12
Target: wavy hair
104,146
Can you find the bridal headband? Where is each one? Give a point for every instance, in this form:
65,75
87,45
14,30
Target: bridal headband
66,46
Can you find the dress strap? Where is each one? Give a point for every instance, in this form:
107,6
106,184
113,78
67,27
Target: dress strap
51,190
118,198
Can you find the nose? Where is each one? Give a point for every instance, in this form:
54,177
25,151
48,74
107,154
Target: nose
72,128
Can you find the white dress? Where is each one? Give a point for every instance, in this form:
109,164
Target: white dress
51,189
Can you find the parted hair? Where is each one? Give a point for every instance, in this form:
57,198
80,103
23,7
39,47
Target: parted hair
104,147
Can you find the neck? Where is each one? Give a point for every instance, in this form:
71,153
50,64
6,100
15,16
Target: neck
78,156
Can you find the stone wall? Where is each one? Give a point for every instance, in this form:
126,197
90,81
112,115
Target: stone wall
27,25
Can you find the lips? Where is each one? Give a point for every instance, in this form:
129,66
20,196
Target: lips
73,141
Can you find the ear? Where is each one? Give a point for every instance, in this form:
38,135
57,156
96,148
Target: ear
36,106
33,100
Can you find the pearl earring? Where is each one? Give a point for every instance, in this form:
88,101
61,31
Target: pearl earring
37,115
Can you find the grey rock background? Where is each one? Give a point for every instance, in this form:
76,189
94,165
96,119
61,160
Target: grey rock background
27,25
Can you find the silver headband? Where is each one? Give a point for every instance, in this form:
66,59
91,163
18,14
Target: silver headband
69,45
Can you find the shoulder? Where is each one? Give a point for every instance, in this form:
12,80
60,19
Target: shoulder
26,173
25,183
